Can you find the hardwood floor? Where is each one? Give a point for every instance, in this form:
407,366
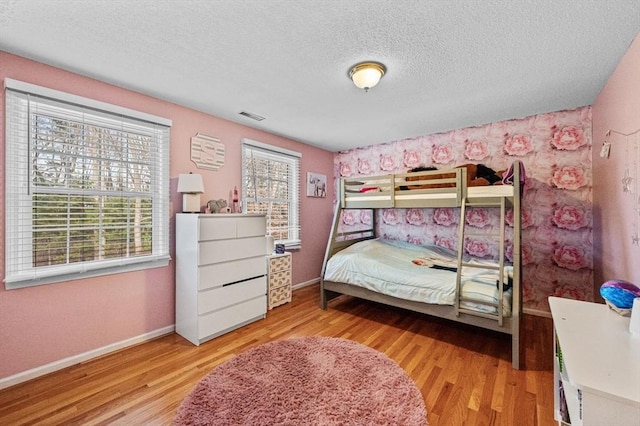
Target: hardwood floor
464,373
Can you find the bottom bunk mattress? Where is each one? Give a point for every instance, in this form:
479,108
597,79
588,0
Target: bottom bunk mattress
417,273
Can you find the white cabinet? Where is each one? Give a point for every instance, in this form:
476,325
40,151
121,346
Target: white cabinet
221,281
597,365
279,273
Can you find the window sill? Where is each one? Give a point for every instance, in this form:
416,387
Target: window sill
290,244
32,280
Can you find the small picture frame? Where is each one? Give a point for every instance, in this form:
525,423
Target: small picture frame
316,185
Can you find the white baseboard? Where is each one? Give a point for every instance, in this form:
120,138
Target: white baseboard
537,312
76,359
306,283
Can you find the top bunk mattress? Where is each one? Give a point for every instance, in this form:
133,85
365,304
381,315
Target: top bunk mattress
388,267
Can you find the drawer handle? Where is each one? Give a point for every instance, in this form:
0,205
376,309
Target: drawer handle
241,281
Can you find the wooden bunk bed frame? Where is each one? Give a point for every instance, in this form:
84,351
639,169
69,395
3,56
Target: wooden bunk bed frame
441,188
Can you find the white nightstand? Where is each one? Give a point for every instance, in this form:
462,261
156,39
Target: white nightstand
279,279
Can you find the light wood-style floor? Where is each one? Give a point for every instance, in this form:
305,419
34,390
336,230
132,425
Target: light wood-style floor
464,373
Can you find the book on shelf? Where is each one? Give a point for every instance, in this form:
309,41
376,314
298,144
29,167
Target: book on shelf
559,355
564,410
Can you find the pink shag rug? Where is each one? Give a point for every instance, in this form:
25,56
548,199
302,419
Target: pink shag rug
305,381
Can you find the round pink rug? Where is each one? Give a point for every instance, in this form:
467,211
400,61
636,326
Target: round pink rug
302,381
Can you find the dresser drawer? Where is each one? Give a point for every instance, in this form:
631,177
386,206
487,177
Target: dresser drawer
218,274
221,227
279,263
279,296
218,322
251,226
226,250
217,228
279,279
221,297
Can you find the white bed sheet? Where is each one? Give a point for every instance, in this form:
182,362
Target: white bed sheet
386,267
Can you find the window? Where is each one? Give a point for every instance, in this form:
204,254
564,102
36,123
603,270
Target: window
270,185
87,187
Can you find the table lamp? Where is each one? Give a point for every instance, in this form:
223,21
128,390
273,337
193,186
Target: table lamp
191,187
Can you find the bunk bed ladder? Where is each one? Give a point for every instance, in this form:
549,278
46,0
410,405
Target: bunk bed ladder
500,236
463,206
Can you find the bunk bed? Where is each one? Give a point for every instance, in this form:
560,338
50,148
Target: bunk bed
378,278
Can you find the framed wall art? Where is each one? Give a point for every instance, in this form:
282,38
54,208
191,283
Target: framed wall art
316,185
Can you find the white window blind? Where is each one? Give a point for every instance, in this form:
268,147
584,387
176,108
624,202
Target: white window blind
87,187
270,185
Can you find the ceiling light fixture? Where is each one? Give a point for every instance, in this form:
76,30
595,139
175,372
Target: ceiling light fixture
366,75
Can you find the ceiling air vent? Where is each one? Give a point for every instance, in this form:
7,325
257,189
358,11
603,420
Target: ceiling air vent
252,116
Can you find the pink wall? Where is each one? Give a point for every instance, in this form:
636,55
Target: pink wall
555,149
617,213
44,324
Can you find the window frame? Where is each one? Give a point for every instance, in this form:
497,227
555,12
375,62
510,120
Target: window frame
284,155
20,271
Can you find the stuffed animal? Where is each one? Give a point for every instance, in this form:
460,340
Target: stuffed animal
477,175
216,206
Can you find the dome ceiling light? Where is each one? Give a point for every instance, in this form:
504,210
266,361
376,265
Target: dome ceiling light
366,75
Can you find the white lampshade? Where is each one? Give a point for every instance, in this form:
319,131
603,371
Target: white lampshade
367,74
191,187
190,184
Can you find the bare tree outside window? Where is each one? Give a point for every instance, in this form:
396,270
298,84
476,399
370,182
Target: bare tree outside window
103,173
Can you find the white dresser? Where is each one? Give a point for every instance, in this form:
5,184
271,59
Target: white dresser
221,281
597,365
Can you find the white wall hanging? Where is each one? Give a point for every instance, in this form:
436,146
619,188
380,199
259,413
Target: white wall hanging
631,177
207,152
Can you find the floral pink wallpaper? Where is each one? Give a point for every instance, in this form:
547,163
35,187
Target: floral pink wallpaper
557,236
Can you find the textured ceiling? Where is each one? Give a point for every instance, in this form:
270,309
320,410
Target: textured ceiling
451,64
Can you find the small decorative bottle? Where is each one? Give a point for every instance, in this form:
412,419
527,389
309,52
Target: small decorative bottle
234,207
